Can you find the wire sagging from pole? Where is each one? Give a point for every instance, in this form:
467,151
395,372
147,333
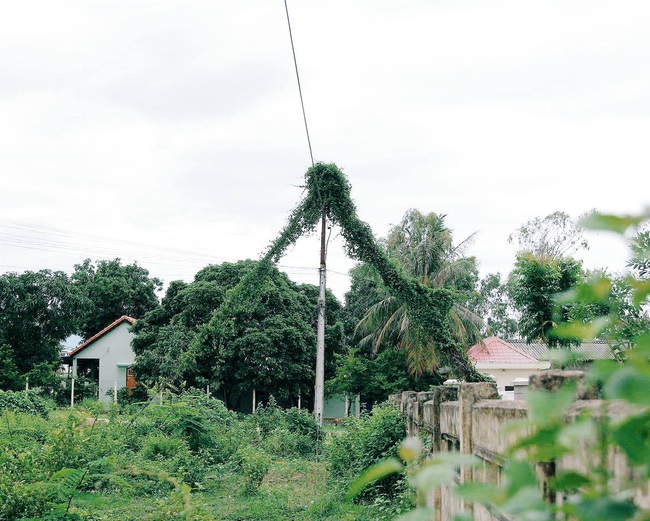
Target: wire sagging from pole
302,101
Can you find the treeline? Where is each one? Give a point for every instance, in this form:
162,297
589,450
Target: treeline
267,343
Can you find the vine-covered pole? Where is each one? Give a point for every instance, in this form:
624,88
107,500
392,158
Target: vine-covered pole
320,338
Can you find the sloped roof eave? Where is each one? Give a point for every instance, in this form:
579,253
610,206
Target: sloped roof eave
96,336
494,366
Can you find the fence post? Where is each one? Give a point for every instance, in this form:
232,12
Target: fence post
468,395
432,418
551,381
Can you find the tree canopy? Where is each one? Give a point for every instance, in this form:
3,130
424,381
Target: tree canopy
535,283
493,303
113,290
265,345
38,310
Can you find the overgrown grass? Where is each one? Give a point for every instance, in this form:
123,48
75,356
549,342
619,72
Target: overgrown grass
189,459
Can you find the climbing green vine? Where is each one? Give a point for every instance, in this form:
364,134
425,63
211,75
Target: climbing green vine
327,187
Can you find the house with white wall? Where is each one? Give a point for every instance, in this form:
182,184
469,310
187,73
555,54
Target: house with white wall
106,357
508,360
504,362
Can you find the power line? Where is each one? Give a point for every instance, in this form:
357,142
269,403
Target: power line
31,236
295,64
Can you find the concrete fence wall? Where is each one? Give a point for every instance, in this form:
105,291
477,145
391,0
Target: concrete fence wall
470,418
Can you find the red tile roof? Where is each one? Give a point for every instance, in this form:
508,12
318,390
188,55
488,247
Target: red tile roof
496,350
102,333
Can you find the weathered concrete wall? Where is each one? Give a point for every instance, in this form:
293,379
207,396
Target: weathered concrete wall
450,419
469,418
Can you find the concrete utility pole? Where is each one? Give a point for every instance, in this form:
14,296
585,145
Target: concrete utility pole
320,343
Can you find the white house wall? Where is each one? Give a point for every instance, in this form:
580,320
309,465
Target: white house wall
505,376
113,350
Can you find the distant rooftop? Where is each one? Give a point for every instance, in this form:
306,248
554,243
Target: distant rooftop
497,350
592,350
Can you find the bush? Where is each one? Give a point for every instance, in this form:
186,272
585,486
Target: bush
366,441
291,432
24,401
254,465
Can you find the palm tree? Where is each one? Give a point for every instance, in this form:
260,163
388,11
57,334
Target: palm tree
423,246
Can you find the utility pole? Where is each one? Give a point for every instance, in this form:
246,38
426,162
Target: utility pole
320,344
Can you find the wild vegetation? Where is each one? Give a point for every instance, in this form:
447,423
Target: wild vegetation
189,459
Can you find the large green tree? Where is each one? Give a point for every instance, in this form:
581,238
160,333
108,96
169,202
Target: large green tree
114,290
373,375
38,310
423,246
266,345
493,303
536,281
542,271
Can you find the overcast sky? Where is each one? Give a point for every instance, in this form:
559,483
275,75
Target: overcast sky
131,126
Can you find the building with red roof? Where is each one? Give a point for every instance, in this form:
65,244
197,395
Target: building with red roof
504,361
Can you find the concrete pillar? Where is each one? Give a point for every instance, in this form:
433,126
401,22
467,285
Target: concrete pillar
408,398
418,413
552,379
468,395
521,386
441,394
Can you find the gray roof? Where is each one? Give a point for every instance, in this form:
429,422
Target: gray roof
593,350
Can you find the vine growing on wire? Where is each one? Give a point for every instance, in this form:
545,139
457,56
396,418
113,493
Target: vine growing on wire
326,187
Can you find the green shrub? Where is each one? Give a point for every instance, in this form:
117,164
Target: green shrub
366,441
160,447
29,402
291,432
19,499
254,465
284,443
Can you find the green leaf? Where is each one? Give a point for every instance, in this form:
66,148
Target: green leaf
641,291
378,471
627,384
455,458
419,514
477,492
545,407
519,475
527,503
581,330
570,435
433,476
633,436
613,223
570,481
605,509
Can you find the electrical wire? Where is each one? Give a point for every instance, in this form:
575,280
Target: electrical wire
295,64
31,236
